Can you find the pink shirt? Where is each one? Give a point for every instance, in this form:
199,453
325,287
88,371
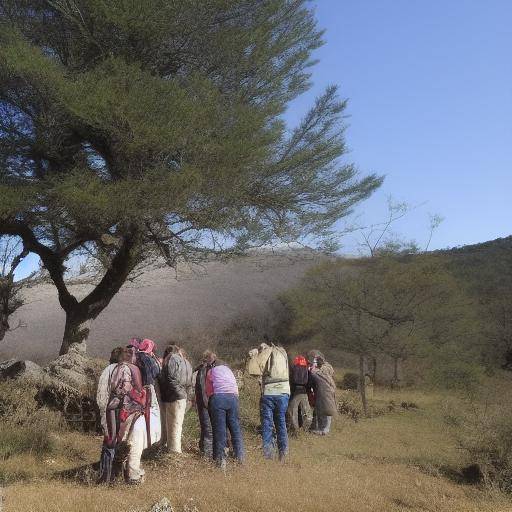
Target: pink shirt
220,379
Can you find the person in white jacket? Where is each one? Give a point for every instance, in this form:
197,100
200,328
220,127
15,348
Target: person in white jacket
136,437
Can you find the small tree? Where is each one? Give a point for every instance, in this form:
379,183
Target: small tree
135,129
378,305
11,256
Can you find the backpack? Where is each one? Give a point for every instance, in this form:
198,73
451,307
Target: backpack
299,375
276,367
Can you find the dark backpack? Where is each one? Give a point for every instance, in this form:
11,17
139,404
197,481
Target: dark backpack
299,376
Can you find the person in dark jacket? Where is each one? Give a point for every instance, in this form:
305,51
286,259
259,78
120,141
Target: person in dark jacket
146,360
175,388
324,390
201,398
299,413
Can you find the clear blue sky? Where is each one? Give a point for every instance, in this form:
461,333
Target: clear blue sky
429,84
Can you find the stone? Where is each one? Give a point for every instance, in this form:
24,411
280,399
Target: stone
164,505
15,369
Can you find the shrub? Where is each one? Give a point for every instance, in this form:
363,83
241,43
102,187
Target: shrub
24,426
484,432
350,381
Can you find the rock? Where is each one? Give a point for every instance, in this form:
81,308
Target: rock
164,505
75,368
14,369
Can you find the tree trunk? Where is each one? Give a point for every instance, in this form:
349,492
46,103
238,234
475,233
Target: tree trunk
362,384
395,380
80,314
76,330
374,369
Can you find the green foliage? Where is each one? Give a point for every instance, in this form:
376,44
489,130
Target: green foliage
158,126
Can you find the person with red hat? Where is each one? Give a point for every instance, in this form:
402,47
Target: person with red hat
299,413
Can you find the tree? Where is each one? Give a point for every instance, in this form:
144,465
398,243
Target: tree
11,255
377,305
134,129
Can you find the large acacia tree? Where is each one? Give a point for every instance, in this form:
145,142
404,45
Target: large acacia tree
130,128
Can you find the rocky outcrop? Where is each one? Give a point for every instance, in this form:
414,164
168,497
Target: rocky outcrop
13,369
75,369
67,384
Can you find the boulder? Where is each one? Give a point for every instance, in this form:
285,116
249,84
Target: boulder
75,369
15,369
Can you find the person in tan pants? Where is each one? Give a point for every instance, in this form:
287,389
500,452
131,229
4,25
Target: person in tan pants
175,388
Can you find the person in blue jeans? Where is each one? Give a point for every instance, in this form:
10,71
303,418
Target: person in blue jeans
224,409
275,388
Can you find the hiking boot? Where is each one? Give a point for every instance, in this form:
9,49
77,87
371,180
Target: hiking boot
283,458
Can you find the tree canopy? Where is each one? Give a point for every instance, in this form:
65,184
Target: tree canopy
129,129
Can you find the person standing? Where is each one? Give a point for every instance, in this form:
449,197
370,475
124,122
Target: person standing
201,399
122,401
324,390
299,410
223,406
273,365
175,387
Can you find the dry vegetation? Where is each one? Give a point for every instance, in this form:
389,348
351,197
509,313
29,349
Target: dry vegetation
398,461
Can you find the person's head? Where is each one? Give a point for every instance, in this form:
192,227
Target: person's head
171,349
262,347
127,355
209,357
300,361
313,356
147,346
115,355
135,342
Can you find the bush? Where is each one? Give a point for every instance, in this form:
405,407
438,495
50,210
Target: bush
24,426
350,381
484,433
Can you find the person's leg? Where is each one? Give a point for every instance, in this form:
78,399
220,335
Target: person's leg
325,427
218,420
267,425
167,425
314,423
280,423
136,442
205,442
233,422
178,409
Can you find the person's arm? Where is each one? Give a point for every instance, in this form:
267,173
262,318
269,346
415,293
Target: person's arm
103,395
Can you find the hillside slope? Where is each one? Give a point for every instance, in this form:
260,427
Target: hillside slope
161,305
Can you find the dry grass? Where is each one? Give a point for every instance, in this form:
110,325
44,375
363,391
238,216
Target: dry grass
388,463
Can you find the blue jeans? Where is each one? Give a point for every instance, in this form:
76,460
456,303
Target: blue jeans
273,414
224,412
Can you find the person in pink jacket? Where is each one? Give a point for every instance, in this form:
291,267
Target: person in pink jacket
224,409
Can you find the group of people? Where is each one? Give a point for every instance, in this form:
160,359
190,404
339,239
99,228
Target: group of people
143,400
